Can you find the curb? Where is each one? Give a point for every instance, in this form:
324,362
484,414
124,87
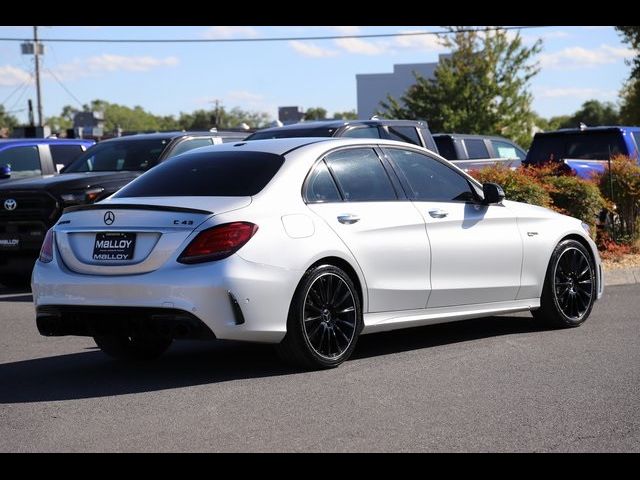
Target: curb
621,276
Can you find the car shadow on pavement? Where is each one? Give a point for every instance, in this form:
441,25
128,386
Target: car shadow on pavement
90,373
13,294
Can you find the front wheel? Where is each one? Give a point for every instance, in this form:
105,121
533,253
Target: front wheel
569,290
325,319
128,348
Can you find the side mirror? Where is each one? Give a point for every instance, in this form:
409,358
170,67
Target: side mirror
493,193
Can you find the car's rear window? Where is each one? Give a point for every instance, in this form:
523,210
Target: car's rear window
588,145
207,174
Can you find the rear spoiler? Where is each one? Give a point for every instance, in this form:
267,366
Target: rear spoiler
133,206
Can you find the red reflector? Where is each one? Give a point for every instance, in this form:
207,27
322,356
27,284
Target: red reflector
46,252
218,242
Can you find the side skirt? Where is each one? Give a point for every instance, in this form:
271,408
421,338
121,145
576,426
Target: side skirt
384,321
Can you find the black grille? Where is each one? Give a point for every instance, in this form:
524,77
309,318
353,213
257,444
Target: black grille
30,206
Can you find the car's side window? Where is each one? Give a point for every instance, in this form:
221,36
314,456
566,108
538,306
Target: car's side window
427,179
190,144
360,175
23,161
404,134
320,186
362,132
64,155
476,148
506,150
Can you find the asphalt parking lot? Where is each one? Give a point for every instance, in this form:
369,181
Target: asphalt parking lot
492,384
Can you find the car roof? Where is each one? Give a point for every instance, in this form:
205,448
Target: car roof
320,124
282,146
170,135
567,131
23,141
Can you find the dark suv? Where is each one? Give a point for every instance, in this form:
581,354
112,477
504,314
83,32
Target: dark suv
31,157
585,150
29,207
409,131
472,152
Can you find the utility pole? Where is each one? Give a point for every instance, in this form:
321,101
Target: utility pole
37,59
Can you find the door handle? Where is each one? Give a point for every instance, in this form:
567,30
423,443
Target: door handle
348,218
438,213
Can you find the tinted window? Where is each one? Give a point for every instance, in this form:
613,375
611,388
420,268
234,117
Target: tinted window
321,187
293,133
113,156
428,179
546,148
23,161
506,150
446,147
190,144
404,134
203,174
64,155
361,175
476,148
362,132
636,136
595,145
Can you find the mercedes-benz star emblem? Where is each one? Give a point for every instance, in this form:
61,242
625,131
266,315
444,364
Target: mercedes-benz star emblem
109,217
10,204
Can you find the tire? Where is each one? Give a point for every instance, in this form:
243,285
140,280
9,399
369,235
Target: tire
569,290
126,348
325,319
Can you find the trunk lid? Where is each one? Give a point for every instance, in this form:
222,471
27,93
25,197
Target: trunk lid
133,235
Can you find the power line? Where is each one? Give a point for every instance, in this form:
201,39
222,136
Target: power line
62,85
14,91
264,39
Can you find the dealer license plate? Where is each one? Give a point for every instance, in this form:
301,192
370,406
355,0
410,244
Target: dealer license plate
110,246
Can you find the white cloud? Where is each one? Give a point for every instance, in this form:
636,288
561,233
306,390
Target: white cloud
107,63
359,46
229,32
579,57
308,49
12,76
576,92
418,42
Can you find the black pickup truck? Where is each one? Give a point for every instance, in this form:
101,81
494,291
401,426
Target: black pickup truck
30,206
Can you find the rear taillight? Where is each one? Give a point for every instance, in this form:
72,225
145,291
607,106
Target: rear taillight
46,252
218,242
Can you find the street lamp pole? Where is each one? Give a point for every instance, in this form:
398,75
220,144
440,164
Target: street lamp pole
37,59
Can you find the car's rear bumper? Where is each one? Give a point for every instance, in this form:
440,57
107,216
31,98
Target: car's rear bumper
235,299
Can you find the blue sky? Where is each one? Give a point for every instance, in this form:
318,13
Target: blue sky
577,63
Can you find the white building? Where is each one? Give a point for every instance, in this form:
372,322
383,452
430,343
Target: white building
373,88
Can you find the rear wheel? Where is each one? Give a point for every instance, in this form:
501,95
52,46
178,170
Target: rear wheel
324,321
136,348
570,286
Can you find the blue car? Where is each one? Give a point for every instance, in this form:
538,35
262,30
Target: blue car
585,150
30,157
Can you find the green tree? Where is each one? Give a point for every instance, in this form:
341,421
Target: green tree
234,118
317,113
7,121
346,115
482,87
593,113
630,92
630,102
